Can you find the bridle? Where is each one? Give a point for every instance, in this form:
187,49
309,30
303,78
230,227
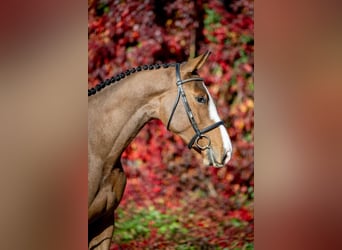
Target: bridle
199,134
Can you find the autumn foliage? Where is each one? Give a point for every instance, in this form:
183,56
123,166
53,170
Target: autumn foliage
171,199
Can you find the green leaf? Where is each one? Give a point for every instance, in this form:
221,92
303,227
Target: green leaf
236,222
248,246
245,38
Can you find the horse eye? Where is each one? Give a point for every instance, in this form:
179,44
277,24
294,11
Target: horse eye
201,99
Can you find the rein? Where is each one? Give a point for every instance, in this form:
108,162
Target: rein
199,134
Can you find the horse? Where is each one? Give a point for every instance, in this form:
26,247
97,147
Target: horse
117,110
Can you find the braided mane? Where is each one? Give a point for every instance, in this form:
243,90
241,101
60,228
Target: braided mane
122,75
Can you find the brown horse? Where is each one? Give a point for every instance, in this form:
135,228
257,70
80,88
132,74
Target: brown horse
118,110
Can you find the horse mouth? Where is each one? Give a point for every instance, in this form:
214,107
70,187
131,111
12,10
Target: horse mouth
210,160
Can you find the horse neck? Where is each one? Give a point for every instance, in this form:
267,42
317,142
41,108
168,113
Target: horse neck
118,112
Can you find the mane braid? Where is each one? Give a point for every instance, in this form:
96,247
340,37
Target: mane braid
128,72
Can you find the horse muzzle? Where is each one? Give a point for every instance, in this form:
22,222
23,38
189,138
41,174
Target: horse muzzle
216,160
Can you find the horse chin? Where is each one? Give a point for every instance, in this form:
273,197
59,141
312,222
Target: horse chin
210,160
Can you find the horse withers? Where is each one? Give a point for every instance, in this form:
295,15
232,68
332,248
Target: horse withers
120,106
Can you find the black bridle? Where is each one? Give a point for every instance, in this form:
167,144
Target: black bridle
199,134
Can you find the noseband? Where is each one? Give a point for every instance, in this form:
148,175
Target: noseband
199,134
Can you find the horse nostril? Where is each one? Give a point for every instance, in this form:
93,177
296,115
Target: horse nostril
226,157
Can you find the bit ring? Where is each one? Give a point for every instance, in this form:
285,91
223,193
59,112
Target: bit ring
200,138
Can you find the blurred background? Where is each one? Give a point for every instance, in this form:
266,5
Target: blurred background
171,199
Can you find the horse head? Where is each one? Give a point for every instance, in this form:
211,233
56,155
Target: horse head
196,119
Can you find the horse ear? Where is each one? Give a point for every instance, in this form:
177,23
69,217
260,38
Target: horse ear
195,63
